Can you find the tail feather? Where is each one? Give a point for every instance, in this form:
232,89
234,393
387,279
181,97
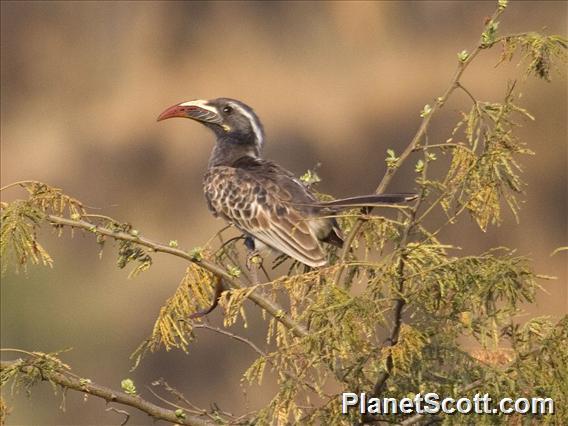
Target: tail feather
369,200
364,201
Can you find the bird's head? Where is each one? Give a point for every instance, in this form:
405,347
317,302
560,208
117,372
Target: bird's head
229,119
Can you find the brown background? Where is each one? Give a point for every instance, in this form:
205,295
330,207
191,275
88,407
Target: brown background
336,83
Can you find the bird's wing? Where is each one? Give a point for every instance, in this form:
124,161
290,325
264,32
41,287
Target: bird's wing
259,205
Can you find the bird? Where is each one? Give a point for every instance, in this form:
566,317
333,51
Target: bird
265,201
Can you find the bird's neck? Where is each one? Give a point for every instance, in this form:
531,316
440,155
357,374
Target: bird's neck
226,152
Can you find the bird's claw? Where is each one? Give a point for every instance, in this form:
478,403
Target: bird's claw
254,259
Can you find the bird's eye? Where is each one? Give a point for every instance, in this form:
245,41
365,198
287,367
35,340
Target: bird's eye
228,109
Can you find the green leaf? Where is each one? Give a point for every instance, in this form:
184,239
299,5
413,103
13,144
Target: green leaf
128,387
392,159
488,36
419,167
196,254
310,178
463,55
426,111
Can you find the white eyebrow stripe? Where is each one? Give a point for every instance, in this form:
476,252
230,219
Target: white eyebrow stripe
201,103
253,121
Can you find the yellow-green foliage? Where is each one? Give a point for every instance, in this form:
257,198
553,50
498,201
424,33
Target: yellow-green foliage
19,221
536,49
484,168
173,328
27,373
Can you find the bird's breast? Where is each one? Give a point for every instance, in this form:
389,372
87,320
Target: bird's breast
228,194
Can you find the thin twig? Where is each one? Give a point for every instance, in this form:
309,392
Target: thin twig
219,234
21,183
232,336
259,351
193,410
180,396
123,412
170,403
468,93
443,146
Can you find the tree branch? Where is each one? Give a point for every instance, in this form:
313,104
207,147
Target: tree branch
387,178
68,380
269,306
420,133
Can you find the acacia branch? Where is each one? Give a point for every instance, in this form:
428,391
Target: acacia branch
68,380
273,309
399,304
420,133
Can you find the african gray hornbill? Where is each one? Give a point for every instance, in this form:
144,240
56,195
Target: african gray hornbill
261,198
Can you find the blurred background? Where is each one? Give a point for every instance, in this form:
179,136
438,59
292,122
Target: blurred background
338,83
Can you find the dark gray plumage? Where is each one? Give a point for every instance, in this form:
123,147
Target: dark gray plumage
262,199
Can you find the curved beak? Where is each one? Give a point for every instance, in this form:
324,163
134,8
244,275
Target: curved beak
197,110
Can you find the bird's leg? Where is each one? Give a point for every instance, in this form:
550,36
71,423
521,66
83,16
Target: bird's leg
254,260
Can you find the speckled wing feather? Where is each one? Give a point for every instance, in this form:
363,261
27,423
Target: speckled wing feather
259,198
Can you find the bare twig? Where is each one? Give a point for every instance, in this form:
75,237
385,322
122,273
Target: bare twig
255,348
232,336
189,409
468,93
20,183
443,146
123,412
181,397
398,306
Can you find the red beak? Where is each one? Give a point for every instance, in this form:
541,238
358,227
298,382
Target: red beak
173,111
197,110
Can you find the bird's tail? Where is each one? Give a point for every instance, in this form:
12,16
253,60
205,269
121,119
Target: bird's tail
366,201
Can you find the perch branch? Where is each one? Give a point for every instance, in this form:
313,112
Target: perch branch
269,306
68,380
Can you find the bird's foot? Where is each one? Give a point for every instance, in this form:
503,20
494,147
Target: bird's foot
254,260
253,264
